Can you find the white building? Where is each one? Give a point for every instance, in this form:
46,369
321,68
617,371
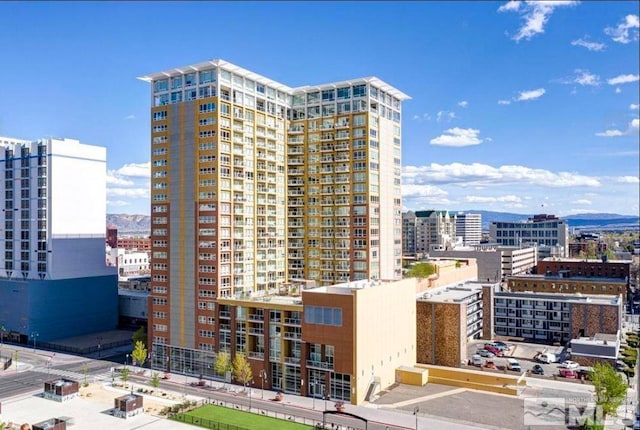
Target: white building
550,233
469,228
52,241
130,264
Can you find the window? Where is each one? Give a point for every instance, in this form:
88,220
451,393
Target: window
328,95
161,85
344,93
360,90
323,315
207,76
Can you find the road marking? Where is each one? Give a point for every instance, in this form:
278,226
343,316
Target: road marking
425,398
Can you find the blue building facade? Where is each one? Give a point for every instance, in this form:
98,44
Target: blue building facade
57,309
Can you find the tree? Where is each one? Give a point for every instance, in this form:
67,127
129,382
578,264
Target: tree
140,336
155,380
610,388
241,369
139,353
421,270
223,363
124,374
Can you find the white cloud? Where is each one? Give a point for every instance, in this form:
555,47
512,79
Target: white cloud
136,170
445,115
623,79
463,103
128,192
584,77
504,102
627,179
530,95
610,133
458,137
581,202
618,90
114,179
591,46
631,129
626,31
485,199
535,15
117,203
478,174
510,6
634,106
421,118
129,117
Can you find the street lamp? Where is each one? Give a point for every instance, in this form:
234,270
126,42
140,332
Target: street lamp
250,394
99,345
313,393
415,412
34,335
263,376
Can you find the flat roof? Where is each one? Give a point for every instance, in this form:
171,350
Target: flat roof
602,299
569,278
583,260
453,293
378,83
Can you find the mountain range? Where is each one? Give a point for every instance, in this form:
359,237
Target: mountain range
141,224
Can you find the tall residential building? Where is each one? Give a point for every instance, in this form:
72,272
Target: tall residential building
425,231
255,183
469,228
550,233
54,282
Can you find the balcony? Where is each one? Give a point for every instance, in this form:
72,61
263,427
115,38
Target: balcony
256,355
325,365
225,314
292,360
292,321
292,335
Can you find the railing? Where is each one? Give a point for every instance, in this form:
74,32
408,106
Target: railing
320,364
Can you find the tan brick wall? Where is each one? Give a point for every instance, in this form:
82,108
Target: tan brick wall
487,313
568,286
440,334
594,319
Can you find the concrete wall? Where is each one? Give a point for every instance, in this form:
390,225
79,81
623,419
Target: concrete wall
477,380
489,263
385,334
487,312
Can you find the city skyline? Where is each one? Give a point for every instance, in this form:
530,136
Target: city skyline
518,107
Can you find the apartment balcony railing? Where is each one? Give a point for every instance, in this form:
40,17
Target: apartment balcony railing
320,364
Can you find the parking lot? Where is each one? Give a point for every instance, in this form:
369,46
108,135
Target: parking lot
524,353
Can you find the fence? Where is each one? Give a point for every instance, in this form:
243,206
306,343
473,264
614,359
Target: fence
206,423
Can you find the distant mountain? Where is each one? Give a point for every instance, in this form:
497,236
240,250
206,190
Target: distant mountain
141,224
582,221
127,224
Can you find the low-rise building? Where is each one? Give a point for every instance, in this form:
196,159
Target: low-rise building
447,319
550,317
327,341
495,262
550,233
564,284
620,269
589,350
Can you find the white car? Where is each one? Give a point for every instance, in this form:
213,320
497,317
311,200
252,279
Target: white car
568,364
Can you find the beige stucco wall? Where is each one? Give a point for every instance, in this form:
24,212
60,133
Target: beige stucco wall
385,333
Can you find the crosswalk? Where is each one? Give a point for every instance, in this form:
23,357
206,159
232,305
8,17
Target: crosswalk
80,377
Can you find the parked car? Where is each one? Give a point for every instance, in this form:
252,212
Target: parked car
513,364
501,345
486,353
584,373
490,365
495,345
476,360
493,349
537,370
569,373
546,357
568,364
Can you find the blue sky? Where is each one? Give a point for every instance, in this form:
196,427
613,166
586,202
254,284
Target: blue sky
523,107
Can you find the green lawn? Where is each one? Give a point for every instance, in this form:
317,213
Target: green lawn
202,415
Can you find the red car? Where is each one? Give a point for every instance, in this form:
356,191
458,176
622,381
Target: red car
496,351
569,373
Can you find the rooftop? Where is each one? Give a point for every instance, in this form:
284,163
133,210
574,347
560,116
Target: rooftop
584,260
572,277
601,299
378,83
453,293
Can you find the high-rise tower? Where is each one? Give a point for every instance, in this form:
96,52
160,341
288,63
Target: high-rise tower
255,183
